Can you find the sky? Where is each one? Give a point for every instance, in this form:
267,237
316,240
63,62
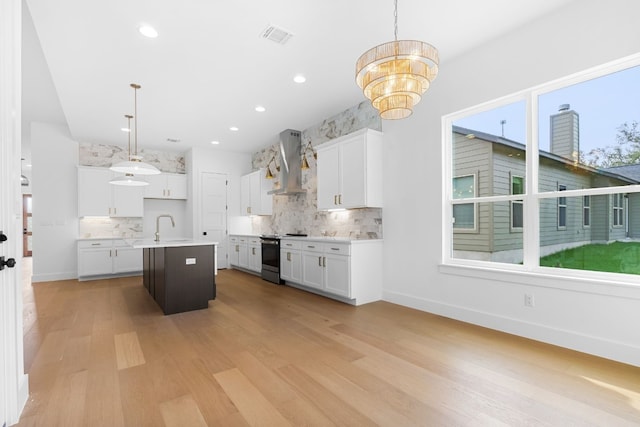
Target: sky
603,105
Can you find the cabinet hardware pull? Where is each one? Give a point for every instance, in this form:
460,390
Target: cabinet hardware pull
335,199
169,193
335,249
96,244
311,247
320,261
339,199
116,252
324,261
253,251
288,256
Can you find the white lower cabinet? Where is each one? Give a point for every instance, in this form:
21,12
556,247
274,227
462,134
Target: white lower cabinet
246,253
99,258
350,271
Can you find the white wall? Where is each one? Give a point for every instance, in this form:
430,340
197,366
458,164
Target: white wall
55,202
233,164
576,315
176,208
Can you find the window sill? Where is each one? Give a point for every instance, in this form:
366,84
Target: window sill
623,286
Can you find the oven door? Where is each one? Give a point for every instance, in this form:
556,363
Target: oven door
271,260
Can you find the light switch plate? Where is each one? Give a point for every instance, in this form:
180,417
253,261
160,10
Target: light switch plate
190,261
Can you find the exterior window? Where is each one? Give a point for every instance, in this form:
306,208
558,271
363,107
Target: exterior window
618,210
517,217
586,211
575,186
562,208
464,215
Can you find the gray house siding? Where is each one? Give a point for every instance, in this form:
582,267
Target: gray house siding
473,157
494,161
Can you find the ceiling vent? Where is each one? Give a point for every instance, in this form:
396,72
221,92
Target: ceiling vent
275,34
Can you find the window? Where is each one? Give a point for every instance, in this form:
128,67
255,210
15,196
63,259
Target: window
517,218
464,215
528,147
586,211
562,208
618,210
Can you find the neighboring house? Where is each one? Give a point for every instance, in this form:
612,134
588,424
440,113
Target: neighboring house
490,165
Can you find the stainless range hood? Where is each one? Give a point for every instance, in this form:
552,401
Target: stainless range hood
290,162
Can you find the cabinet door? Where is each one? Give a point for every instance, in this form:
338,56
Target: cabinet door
337,275
245,195
93,262
127,259
329,178
255,258
127,201
254,193
234,254
291,265
312,269
94,192
353,170
266,200
176,186
156,187
243,256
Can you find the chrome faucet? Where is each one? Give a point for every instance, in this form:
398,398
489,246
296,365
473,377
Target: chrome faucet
173,224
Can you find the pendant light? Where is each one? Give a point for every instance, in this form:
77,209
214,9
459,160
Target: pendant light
135,165
394,75
128,179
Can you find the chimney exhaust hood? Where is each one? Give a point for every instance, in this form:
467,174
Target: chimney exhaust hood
290,172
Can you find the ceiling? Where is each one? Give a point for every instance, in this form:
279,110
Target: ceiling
209,68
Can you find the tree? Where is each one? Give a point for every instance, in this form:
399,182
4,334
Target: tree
626,152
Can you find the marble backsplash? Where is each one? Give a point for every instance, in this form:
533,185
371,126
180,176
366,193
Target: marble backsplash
298,213
101,155
104,227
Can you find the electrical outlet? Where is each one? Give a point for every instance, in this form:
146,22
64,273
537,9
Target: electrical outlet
529,301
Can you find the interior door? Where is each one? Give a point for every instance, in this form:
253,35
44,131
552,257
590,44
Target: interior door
11,344
27,225
214,212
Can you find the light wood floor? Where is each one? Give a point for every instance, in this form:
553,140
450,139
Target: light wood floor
101,353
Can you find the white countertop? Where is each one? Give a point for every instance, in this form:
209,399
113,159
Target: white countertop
166,243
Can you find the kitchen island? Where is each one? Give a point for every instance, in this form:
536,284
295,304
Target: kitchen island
179,273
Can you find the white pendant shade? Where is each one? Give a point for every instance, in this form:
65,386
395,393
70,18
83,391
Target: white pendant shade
129,181
135,167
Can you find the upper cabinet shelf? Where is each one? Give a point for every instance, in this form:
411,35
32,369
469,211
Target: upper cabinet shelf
350,171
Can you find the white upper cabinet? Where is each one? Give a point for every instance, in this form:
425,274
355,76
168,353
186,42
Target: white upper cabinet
350,171
96,197
254,199
166,186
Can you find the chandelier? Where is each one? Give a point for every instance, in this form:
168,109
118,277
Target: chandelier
135,165
128,179
394,75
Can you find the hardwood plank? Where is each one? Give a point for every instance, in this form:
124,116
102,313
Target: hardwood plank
252,404
128,351
182,411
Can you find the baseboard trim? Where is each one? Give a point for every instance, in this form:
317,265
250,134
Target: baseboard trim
584,343
52,277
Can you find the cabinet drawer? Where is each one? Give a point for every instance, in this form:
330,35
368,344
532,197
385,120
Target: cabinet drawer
290,244
313,247
254,241
89,244
233,239
337,248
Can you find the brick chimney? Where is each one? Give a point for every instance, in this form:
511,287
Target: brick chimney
565,133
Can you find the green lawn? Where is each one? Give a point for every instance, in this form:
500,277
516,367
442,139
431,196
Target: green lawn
617,257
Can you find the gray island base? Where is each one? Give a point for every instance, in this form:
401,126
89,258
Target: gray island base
179,277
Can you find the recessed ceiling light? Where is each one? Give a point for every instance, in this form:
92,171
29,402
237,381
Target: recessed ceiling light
299,78
234,129
215,142
148,31
260,109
